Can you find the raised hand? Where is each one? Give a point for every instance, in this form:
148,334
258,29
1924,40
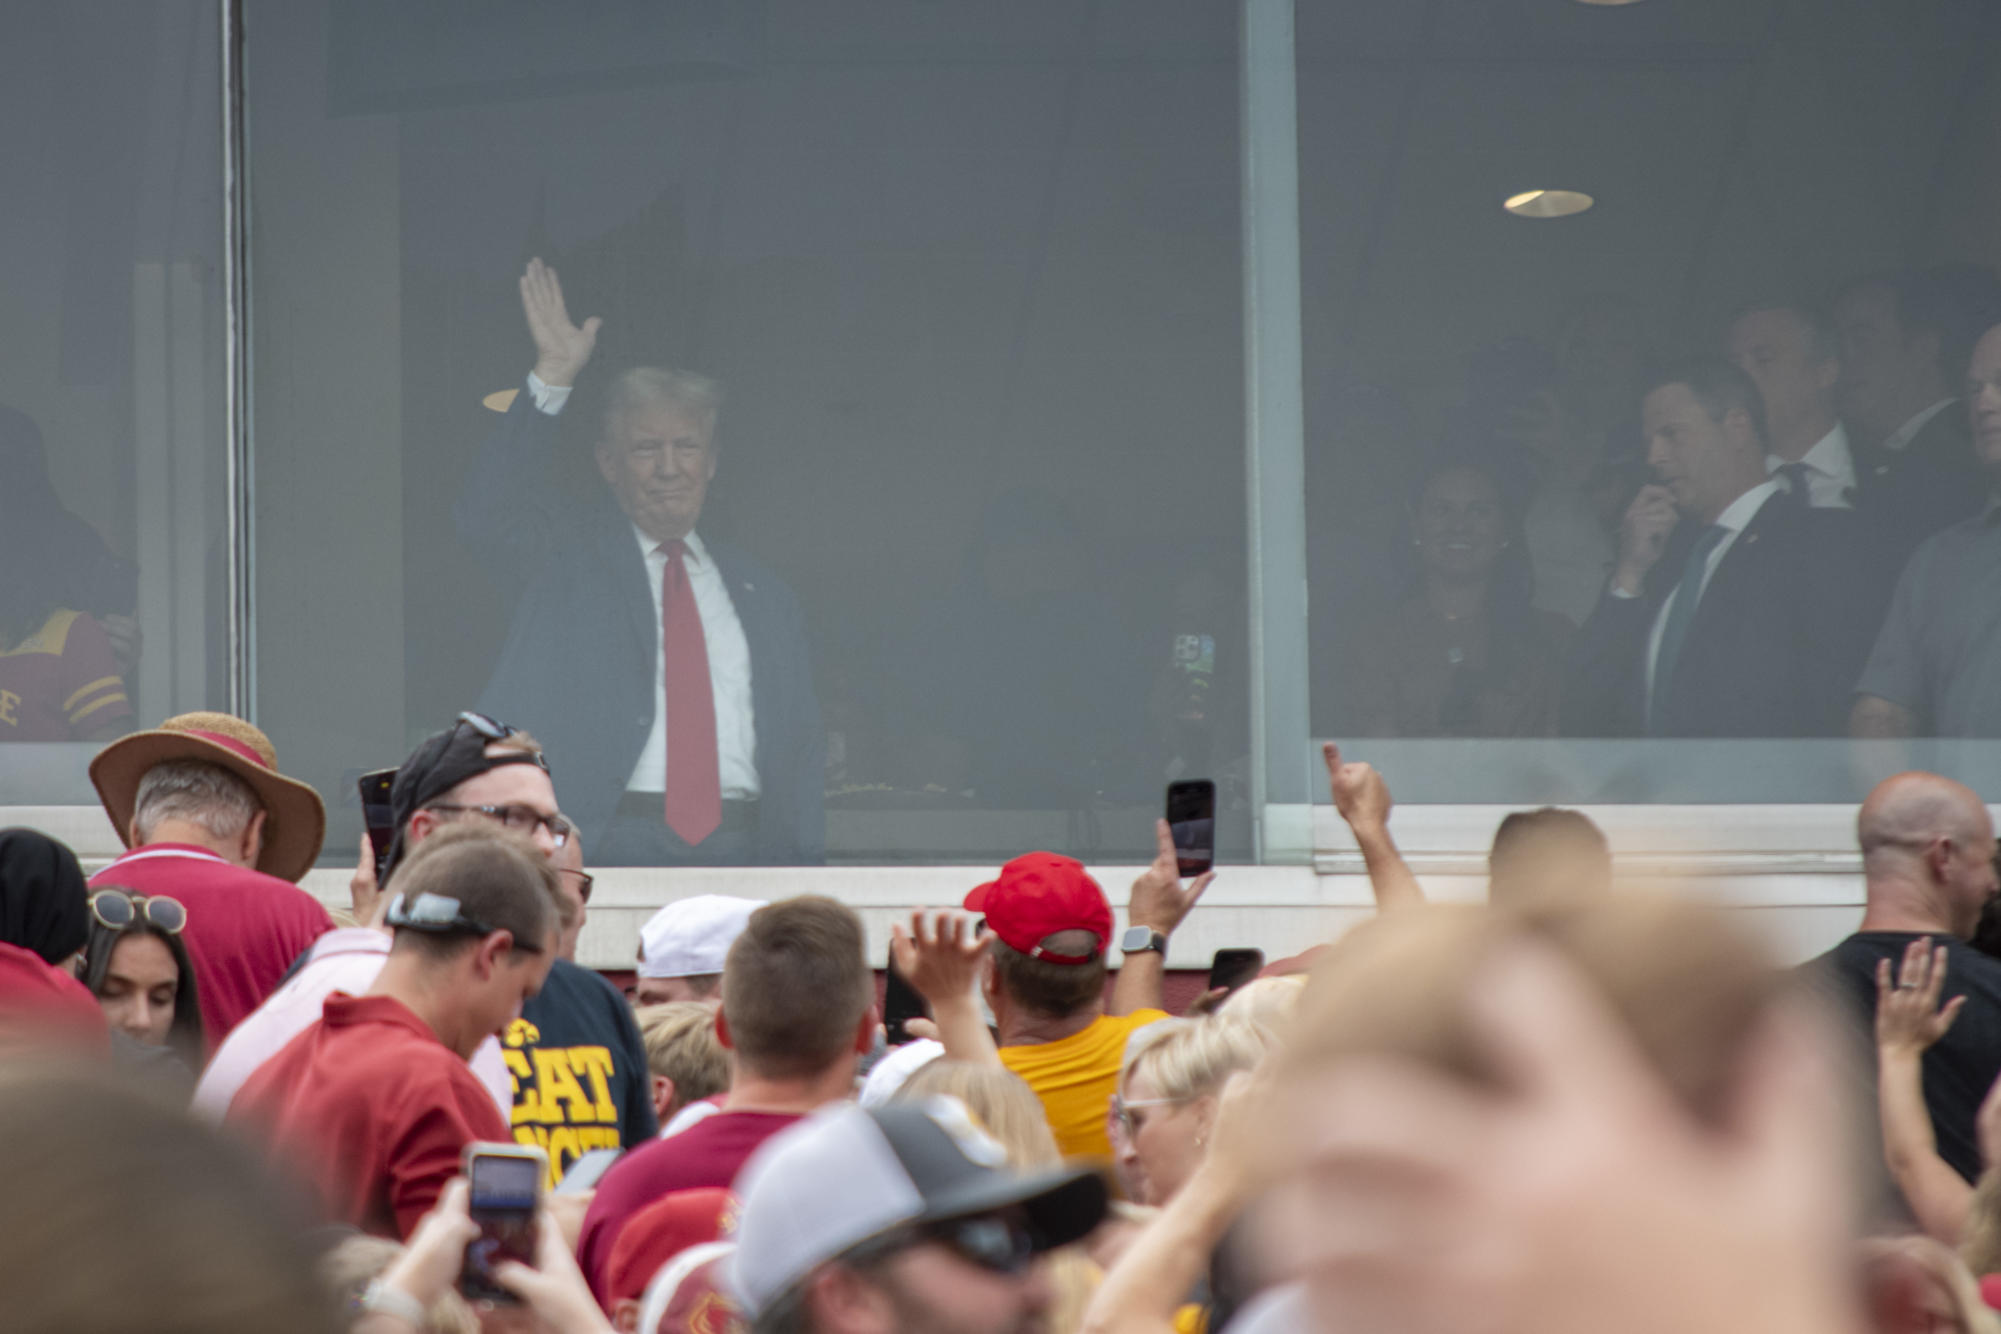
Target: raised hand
939,957
1643,535
1908,1015
1360,793
1158,898
562,349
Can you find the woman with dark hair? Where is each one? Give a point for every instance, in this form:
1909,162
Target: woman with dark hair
1466,654
137,967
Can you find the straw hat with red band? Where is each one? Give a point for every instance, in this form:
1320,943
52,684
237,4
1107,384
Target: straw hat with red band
1039,894
295,821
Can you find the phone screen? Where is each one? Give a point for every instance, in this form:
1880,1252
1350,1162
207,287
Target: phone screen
1191,818
377,814
506,1189
1230,969
900,1004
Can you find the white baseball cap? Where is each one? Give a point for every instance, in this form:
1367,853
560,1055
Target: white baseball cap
691,937
848,1175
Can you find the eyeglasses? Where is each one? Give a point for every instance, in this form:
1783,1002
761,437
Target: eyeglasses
1122,1110
442,915
520,819
118,909
999,1243
495,730
585,882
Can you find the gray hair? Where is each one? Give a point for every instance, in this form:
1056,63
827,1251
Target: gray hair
197,791
649,386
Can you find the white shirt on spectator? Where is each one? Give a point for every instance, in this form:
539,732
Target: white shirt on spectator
729,655
1830,471
348,959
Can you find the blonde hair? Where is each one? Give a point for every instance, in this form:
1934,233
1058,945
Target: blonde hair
1687,981
681,1045
1001,1102
1196,1058
1266,1003
698,395
348,1268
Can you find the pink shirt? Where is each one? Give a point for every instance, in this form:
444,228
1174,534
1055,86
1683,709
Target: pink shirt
348,959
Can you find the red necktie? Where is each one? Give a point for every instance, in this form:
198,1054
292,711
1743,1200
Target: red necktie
694,789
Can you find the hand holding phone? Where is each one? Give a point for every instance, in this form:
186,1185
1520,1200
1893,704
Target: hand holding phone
1230,969
504,1197
377,815
1191,819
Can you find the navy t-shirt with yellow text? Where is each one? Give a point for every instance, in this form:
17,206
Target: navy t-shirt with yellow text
579,1070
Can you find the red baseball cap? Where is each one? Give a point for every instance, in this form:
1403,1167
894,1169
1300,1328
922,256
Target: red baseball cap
1039,894
662,1230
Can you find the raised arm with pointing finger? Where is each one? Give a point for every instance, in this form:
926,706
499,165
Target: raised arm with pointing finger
1363,799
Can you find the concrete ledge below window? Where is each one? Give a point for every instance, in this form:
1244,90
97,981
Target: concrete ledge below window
1794,869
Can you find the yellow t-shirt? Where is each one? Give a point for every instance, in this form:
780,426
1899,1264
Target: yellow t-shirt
1076,1077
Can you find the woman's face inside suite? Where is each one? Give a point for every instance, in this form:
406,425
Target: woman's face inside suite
1461,529
139,988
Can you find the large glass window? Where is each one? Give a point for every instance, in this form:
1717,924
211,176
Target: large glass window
112,552
964,538
1713,354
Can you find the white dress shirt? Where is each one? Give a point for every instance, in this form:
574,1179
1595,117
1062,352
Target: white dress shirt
729,676
1830,471
1733,520
729,655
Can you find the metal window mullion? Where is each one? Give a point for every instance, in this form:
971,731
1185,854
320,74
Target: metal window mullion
1274,432
241,610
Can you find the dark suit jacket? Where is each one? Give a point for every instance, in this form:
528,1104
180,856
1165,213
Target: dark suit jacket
579,668
1929,484
1775,647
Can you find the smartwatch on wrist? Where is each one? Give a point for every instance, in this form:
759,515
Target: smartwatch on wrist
1140,939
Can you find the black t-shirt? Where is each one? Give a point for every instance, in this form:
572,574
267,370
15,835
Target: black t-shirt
579,1068
1963,1065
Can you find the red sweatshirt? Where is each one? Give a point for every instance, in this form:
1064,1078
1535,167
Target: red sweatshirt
369,1107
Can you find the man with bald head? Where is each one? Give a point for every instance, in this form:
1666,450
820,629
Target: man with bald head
1928,864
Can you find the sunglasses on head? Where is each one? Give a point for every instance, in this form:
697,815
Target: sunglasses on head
495,730
119,909
442,915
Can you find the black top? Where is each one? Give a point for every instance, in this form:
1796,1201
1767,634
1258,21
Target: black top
1963,1066
579,1068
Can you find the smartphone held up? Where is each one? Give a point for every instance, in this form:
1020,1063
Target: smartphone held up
504,1198
1191,819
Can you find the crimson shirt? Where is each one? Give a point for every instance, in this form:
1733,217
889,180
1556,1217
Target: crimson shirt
709,1153
244,928
371,1108
42,1006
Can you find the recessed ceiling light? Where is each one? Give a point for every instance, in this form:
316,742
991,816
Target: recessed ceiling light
1607,4
1548,203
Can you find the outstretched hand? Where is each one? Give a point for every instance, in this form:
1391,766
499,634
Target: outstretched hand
1159,899
1908,1016
1359,792
939,955
562,349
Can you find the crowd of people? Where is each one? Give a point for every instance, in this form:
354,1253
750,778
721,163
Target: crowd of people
1582,1101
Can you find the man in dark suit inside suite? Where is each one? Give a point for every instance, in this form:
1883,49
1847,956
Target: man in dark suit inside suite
1732,610
666,675
1905,338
